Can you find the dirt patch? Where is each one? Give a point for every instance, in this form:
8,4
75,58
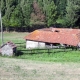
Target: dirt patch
20,69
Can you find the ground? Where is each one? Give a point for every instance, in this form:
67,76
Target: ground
21,69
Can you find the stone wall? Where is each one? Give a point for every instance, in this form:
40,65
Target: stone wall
7,50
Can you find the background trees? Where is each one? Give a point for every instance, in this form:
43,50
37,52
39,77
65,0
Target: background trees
26,7
50,12
72,12
27,13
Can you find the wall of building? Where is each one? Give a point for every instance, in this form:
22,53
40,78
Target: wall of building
34,44
7,50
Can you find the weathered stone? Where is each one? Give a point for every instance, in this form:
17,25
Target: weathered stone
8,49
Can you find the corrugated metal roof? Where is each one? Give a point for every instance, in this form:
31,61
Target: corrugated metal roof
56,35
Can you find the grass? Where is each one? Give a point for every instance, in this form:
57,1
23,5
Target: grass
54,56
71,56
16,37
22,69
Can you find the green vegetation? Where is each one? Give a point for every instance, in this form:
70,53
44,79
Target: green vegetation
54,55
15,37
72,10
19,14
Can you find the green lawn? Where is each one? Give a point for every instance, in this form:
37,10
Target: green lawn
54,55
16,37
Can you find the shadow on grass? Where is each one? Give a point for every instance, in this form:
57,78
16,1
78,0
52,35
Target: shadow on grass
18,53
32,52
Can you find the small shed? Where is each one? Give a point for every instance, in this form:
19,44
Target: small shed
8,49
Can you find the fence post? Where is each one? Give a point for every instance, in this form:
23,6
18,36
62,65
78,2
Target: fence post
48,51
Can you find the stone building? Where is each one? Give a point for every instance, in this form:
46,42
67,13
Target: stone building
8,49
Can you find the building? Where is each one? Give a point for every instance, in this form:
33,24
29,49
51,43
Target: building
8,49
49,37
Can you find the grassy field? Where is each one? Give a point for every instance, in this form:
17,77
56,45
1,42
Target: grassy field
71,56
40,65
21,69
58,55
16,37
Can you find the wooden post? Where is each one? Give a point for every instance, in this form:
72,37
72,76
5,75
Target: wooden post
1,26
48,51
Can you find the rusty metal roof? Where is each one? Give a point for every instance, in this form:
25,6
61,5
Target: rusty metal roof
11,44
56,35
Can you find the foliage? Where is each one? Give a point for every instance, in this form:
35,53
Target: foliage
61,12
73,7
20,13
37,16
61,7
50,13
16,17
26,11
9,8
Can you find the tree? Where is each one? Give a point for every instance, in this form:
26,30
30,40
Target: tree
61,7
16,19
26,11
73,6
50,12
37,16
9,8
3,7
